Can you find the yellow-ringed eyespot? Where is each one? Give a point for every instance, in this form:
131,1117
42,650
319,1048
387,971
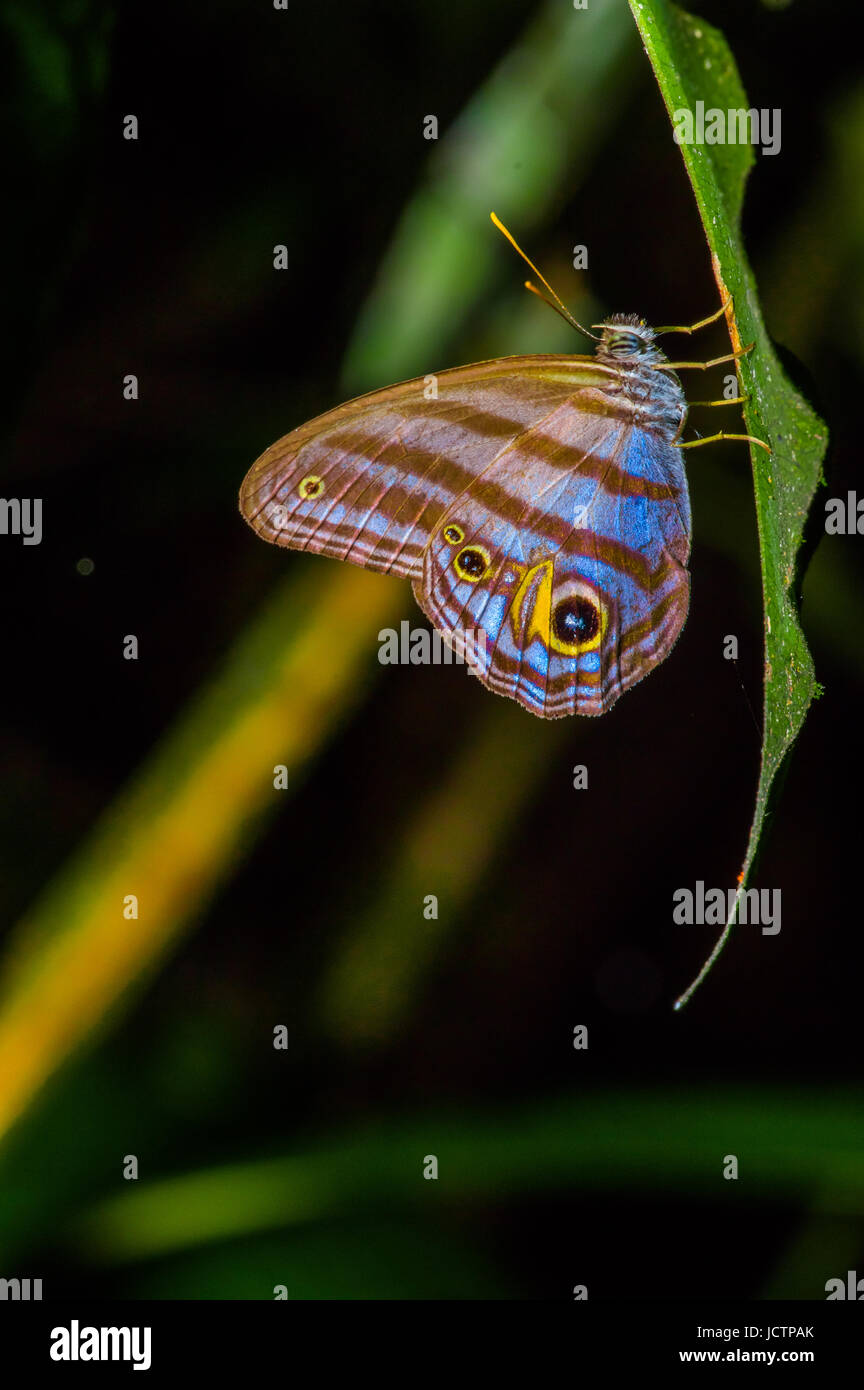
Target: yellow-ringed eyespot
578,620
310,486
472,563
453,534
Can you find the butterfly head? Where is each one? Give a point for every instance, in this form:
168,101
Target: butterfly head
626,337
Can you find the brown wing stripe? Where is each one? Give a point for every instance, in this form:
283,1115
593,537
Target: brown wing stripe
448,473
654,623
586,544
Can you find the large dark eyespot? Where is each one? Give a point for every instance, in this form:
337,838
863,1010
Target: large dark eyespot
471,563
575,621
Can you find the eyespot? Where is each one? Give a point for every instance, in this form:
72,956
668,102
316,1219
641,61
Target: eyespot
472,563
578,621
453,535
575,621
310,486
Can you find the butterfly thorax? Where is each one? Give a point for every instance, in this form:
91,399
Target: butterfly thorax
629,345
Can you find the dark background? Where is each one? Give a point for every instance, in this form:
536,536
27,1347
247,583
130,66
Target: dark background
155,257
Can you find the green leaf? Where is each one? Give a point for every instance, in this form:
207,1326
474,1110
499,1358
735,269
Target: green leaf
692,63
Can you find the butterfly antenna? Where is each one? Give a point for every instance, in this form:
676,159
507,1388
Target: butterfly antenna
568,318
554,303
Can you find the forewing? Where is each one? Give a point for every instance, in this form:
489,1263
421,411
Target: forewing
370,481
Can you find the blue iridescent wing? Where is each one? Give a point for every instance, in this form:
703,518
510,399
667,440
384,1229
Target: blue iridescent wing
562,571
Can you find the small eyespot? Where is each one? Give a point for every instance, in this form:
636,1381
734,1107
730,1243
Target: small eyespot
576,623
453,535
310,486
472,563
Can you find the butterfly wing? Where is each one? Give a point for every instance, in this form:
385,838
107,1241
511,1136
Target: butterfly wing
369,481
525,504
562,573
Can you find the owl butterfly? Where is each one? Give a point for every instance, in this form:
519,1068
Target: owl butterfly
538,503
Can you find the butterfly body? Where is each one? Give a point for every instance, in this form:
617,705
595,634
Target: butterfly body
540,500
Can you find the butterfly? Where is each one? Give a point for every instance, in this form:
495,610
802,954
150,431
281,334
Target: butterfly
537,501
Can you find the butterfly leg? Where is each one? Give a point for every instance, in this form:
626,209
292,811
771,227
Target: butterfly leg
712,438
703,366
703,323
727,400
